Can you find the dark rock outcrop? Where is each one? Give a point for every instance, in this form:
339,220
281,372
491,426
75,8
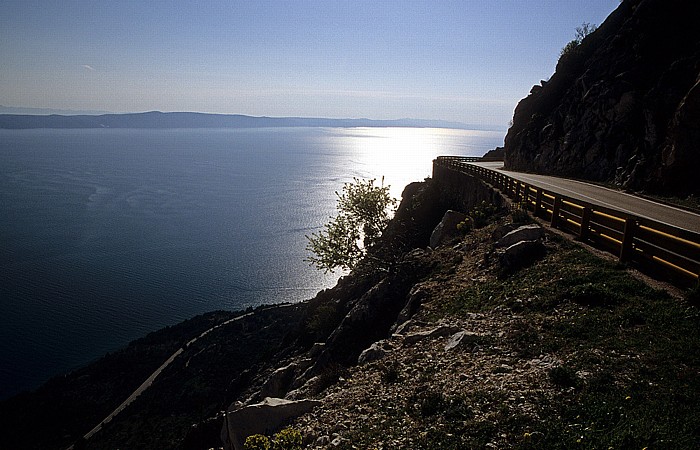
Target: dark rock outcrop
373,314
522,254
447,228
623,107
497,154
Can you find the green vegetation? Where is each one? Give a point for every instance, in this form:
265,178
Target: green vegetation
482,214
465,226
581,32
631,353
364,210
621,370
519,214
287,439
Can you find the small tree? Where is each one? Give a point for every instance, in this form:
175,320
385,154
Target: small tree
364,210
581,32
584,30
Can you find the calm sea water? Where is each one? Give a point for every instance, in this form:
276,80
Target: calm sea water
106,235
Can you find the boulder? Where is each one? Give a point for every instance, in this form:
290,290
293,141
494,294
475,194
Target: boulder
374,352
463,339
278,382
447,228
317,349
416,296
374,313
442,330
402,328
261,418
521,254
502,230
531,232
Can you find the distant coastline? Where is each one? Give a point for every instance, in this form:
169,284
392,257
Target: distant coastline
161,120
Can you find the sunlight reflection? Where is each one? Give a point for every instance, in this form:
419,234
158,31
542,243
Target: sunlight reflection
404,155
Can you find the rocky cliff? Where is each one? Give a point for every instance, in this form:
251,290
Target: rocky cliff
448,346
623,107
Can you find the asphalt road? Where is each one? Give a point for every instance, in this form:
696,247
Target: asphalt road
149,381
611,198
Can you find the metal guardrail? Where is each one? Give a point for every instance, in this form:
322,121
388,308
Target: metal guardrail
655,246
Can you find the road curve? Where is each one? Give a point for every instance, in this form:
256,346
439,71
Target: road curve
610,198
149,381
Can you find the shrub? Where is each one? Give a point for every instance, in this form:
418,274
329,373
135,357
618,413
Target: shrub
519,214
581,32
568,49
390,373
364,211
287,439
482,213
465,226
564,376
257,442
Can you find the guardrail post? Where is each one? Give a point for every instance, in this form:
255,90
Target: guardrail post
585,224
516,195
555,211
538,202
627,239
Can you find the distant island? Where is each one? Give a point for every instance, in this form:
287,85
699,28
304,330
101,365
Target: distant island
156,119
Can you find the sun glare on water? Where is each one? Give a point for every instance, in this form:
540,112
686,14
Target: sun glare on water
404,155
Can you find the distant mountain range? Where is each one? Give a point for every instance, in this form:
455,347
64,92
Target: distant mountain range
45,111
157,119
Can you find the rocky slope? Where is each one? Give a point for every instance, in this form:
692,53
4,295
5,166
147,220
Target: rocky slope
567,352
469,344
623,107
238,362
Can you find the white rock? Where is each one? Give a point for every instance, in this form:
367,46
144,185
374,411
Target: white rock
373,353
260,418
447,228
524,233
463,339
442,330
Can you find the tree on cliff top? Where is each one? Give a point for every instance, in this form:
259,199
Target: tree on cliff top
364,210
581,32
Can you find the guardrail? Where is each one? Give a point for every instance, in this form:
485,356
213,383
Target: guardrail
654,246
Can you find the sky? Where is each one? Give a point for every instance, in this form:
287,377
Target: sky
467,61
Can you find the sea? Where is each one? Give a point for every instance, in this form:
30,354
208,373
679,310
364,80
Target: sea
108,234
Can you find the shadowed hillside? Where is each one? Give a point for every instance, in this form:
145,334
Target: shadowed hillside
623,106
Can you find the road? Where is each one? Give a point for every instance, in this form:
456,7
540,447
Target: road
149,381
611,198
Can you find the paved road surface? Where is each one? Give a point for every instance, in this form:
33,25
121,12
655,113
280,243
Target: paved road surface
606,197
149,381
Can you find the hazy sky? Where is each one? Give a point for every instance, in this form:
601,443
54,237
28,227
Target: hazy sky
468,61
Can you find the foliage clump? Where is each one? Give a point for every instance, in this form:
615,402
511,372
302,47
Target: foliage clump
364,210
287,439
482,213
519,214
465,226
581,32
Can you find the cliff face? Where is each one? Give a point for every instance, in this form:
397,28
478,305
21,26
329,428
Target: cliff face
623,107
